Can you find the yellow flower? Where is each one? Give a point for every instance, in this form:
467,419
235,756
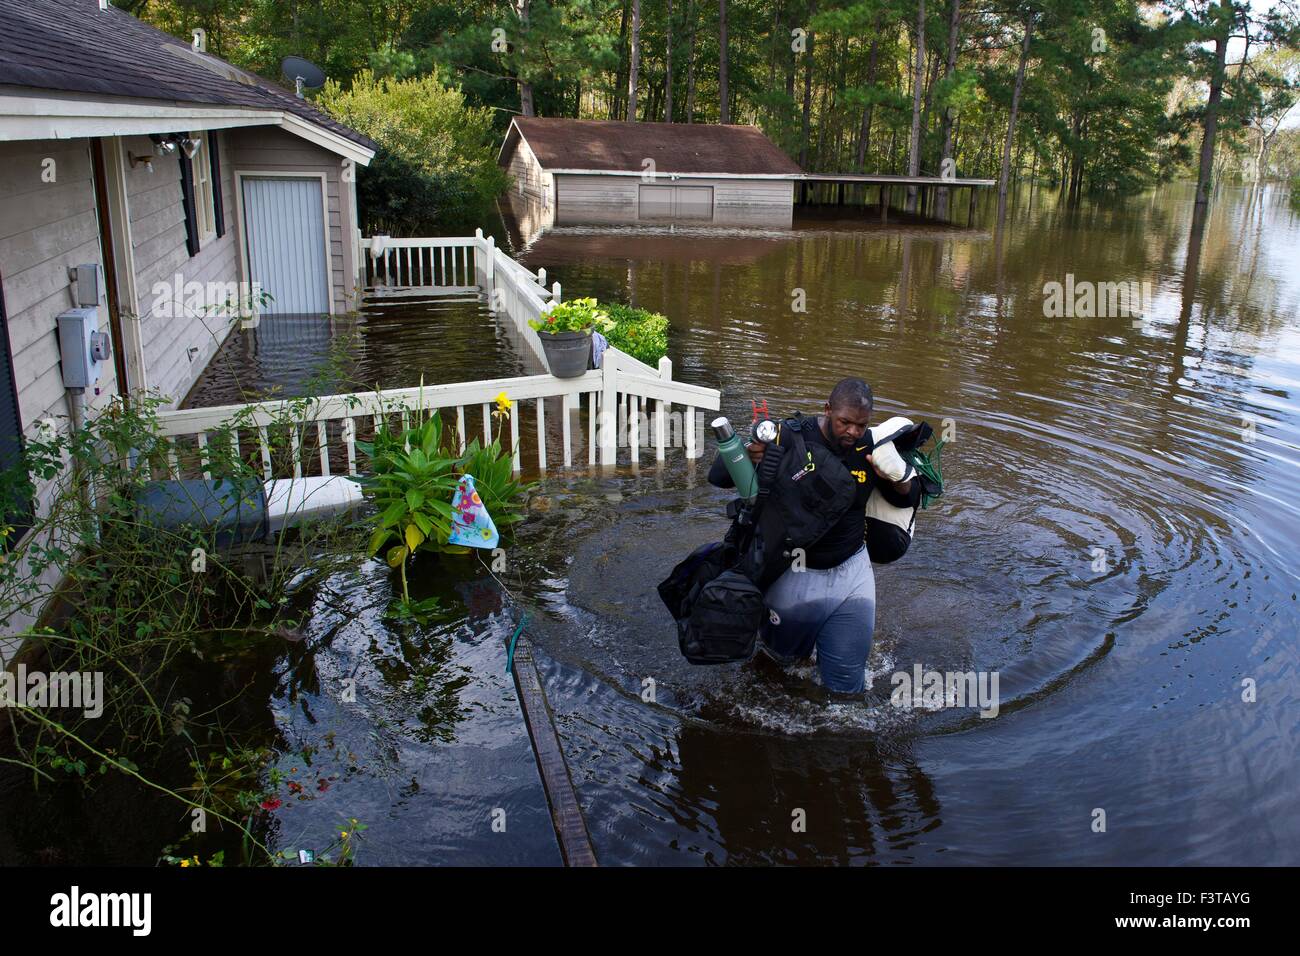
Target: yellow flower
503,403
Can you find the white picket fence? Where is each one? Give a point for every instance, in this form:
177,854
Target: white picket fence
622,396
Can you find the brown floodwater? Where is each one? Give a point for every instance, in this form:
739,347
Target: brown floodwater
1118,542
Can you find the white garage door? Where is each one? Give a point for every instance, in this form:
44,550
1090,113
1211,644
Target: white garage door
284,231
676,202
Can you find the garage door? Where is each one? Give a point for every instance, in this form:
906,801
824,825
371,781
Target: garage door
284,233
676,202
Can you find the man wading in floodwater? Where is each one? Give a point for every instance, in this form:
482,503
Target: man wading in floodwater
830,605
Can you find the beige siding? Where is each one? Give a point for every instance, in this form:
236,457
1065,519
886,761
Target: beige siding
616,199
45,228
529,180
273,150
162,264
759,202
596,199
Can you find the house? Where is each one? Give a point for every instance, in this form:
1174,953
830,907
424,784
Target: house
593,171
191,194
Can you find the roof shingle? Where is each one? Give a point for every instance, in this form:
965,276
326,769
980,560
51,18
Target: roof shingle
612,146
73,46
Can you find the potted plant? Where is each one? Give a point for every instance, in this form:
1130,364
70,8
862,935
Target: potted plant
565,330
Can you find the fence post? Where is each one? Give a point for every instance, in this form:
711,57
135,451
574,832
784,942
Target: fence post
665,409
608,435
555,292
478,262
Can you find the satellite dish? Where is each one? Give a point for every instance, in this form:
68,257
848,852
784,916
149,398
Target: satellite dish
304,73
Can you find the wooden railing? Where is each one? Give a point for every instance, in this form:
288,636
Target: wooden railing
628,403
320,434
444,263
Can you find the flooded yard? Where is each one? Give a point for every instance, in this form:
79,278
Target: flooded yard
1118,542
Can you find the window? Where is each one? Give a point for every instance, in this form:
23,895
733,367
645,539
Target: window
204,206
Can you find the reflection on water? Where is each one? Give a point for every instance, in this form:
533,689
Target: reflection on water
1118,542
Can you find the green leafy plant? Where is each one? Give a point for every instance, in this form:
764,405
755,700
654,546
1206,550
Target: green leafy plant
144,604
494,480
413,481
412,485
576,315
640,333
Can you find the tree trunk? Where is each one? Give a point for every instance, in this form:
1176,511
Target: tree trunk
620,81
1004,176
1222,30
690,63
806,129
634,61
668,67
949,114
918,78
724,104
864,136
525,87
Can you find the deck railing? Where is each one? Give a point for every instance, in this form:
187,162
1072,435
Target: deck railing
628,403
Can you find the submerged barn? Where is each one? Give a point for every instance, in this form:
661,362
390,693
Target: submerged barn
594,171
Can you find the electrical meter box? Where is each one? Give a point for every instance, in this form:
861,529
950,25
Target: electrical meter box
87,282
83,349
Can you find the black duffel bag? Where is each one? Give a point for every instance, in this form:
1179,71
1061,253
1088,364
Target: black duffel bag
723,624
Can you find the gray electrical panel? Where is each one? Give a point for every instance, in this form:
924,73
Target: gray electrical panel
82,347
89,288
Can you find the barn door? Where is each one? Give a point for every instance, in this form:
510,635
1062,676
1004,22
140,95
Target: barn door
284,235
676,202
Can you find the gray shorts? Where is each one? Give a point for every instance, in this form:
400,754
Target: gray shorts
832,611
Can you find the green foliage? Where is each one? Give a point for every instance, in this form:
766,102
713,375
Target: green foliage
493,471
411,486
140,603
576,315
1109,115
436,161
414,476
640,333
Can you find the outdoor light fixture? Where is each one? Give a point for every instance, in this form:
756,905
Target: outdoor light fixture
161,146
145,161
190,147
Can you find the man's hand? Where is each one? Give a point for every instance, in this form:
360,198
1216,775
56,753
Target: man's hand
891,467
888,463
756,449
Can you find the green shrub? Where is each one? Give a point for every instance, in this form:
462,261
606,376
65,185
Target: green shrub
435,160
640,333
576,315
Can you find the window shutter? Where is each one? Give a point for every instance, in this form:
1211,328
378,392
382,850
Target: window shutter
11,430
187,201
214,157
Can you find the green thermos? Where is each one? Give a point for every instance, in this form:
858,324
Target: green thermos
736,458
